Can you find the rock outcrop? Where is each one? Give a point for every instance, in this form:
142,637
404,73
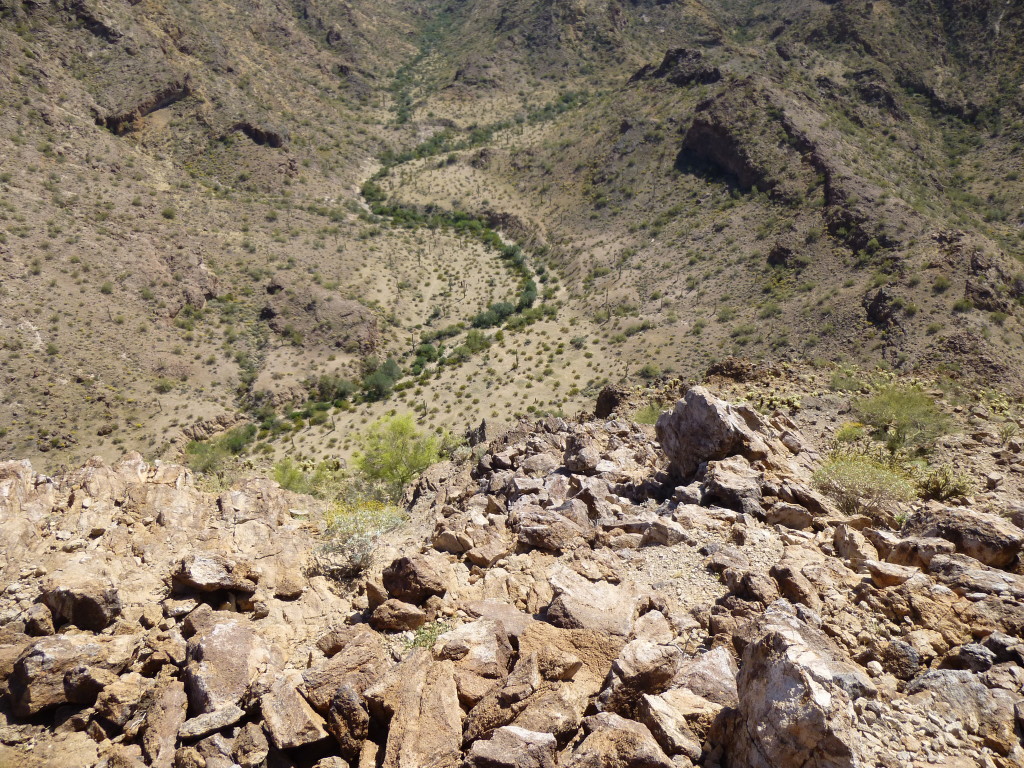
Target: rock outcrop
565,603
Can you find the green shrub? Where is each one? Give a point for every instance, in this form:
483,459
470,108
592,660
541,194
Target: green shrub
861,484
650,371
903,417
393,452
963,305
850,432
648,414
163,385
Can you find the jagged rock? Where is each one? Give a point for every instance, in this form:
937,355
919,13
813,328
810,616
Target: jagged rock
668,726
38,679
789,515
580,604
548,529
988,713
971,656
889,574
38,621
395,616
289,720
513,747
222,661
414,578
710,675
615,742
164,717
643,666
666,532
795,696
88,602
210,722
118,701
703,428
987,538
362,659
251,748
853,546
733,483
421,699
899,659
347,720
480,647
965,575
918,552
208,572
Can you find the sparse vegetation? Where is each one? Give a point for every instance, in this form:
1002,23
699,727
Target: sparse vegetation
862,484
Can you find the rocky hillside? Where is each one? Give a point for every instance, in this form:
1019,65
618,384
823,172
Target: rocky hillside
590,594
236,214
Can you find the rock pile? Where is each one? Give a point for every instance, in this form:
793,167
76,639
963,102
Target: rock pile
584,595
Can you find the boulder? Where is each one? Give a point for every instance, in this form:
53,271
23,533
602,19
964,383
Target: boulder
795,694
209,572
421,699
481,647
581,604
414,578
362,659
222,661
987,538
38,679
789,516
615,742
165,714
733,483
211,722
701,428
395,616
513,747
960,694
889,574
668,726
287,717
88,603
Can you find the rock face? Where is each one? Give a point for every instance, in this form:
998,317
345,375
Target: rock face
563,604
702,427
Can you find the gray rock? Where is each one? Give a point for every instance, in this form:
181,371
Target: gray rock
210,722
513,747
701,428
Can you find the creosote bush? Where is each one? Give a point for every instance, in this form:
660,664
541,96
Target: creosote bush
903,417
862,484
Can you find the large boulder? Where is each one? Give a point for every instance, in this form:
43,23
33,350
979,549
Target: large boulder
420,698
89,602
40,677
796,692
513,747
987,538
581,604
222,661
414,578
209,572
615,742
289,720
701,428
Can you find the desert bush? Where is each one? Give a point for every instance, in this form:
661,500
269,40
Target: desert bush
353,527
903,417
859,483
648,414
